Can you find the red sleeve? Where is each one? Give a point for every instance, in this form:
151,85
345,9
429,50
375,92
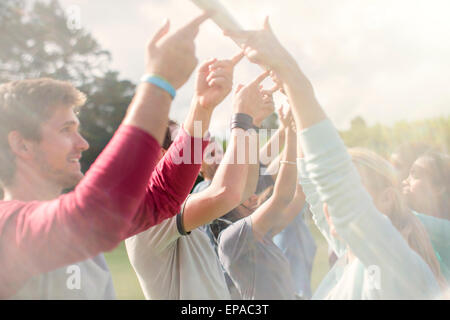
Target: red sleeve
36,237
171,181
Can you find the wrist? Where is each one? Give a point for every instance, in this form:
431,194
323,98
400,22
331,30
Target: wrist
257,123
197,114
289,132
201,103
288,69
159,82
243,121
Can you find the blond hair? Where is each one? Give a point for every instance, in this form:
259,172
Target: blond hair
380,175
24,106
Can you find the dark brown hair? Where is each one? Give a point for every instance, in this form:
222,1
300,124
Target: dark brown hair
168,137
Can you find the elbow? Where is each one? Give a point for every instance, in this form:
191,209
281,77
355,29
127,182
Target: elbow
233,199
230,198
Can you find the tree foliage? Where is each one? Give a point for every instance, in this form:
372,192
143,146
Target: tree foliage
38,40
385,139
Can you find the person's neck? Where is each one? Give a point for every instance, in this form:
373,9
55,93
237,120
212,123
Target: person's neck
30,188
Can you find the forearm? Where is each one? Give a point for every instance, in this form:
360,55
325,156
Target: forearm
225,190
274,167
253,167
149,110
266,218
171,181
198,117
287,178
273,146
316,209
305,107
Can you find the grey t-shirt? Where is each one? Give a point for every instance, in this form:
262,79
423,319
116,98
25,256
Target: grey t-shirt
86,280
171,266
259,269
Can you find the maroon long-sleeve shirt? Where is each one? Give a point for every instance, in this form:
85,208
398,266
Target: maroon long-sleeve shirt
125,192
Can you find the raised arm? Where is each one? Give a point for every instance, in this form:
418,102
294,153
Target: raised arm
262,110
262,47
172,58
231,178
369,234
299,199
175,174
266,219
270,151
41,236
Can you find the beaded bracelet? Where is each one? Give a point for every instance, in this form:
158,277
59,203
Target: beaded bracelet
288,162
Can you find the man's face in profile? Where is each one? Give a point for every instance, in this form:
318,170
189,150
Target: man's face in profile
57,155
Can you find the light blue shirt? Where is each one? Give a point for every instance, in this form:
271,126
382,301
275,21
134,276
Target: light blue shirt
439,232
297,244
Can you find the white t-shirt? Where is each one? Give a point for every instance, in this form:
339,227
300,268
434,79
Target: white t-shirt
171,266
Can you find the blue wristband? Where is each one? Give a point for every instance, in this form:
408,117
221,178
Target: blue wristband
160,82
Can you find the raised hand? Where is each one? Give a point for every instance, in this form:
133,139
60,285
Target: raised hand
173,56
277,81
262,47
215,81
254,101
284,117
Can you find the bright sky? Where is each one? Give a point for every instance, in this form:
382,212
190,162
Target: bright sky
384,60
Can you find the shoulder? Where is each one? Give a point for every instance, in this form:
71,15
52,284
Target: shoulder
234,239
155,240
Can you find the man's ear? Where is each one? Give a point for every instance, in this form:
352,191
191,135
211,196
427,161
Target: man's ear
20,146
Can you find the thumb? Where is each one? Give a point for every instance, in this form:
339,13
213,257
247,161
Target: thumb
239,87
161,33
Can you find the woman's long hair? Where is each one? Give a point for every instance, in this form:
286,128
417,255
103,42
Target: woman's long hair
382,176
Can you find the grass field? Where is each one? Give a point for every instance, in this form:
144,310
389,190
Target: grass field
127,286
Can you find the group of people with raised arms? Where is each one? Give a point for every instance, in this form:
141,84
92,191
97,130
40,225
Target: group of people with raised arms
240,234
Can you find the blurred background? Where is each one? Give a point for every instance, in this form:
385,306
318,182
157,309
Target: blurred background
380,68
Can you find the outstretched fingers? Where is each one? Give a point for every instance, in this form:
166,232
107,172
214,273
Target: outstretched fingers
241,34
192,27
259,79
160,33
204,67
237,58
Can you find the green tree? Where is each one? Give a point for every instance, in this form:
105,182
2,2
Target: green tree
38,41
108,99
